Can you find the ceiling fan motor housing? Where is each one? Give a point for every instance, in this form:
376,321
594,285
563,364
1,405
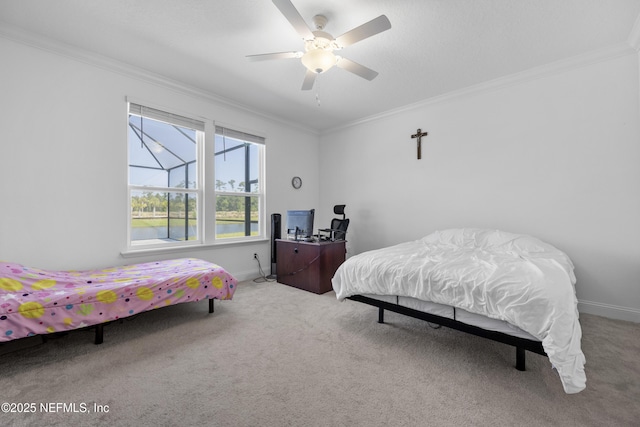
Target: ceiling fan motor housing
320,21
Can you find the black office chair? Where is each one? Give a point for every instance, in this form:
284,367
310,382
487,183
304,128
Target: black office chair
338,230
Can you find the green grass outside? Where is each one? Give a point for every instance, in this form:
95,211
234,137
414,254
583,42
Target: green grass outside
162,222
157,222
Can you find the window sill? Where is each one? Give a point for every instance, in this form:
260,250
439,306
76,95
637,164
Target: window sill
132,252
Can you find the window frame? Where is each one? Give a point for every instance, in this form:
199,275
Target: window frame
205,190
259,141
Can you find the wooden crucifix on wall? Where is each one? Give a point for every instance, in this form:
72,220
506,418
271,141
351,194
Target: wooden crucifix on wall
419,134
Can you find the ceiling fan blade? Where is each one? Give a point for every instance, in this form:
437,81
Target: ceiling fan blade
295,19
357,69
309,80
277,55
368,29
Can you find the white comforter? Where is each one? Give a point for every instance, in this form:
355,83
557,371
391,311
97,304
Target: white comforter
511,277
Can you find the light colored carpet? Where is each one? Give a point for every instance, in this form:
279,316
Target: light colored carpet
279,356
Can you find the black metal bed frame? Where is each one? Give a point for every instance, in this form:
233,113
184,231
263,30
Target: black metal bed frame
99,339
521,344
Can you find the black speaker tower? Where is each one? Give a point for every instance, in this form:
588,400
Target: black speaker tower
276,231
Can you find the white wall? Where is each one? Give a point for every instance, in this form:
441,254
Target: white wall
557,157
63,151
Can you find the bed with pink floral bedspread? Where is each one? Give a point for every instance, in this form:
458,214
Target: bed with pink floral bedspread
35,301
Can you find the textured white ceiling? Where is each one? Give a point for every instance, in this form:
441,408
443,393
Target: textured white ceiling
433,47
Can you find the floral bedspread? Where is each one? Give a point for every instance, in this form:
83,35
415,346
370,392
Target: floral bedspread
35,301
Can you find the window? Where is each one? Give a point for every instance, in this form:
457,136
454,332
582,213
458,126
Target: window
168,194
239,189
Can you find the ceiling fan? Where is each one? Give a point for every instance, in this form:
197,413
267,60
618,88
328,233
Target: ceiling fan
319,45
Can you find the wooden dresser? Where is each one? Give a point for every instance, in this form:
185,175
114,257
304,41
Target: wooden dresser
308,265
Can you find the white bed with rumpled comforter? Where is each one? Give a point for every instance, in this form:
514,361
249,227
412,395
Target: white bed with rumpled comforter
510,277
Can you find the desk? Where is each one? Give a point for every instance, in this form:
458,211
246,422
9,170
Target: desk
308,265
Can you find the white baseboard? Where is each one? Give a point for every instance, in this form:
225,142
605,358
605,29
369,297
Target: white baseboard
247,275
608,310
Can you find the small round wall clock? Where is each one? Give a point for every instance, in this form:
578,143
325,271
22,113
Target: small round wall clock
296,181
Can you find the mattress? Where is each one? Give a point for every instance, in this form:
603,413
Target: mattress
508,277
35,301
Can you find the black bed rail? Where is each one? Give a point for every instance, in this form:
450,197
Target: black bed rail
99,337
521,344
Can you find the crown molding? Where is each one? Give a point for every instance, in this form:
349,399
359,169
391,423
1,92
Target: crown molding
94,59
21,36
547,70
634,35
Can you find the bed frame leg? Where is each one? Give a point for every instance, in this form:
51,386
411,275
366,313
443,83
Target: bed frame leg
210,305
99,334
520,359
380,315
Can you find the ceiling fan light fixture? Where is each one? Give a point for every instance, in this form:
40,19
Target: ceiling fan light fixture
319,60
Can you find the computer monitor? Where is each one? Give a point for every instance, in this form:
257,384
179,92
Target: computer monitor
300,224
